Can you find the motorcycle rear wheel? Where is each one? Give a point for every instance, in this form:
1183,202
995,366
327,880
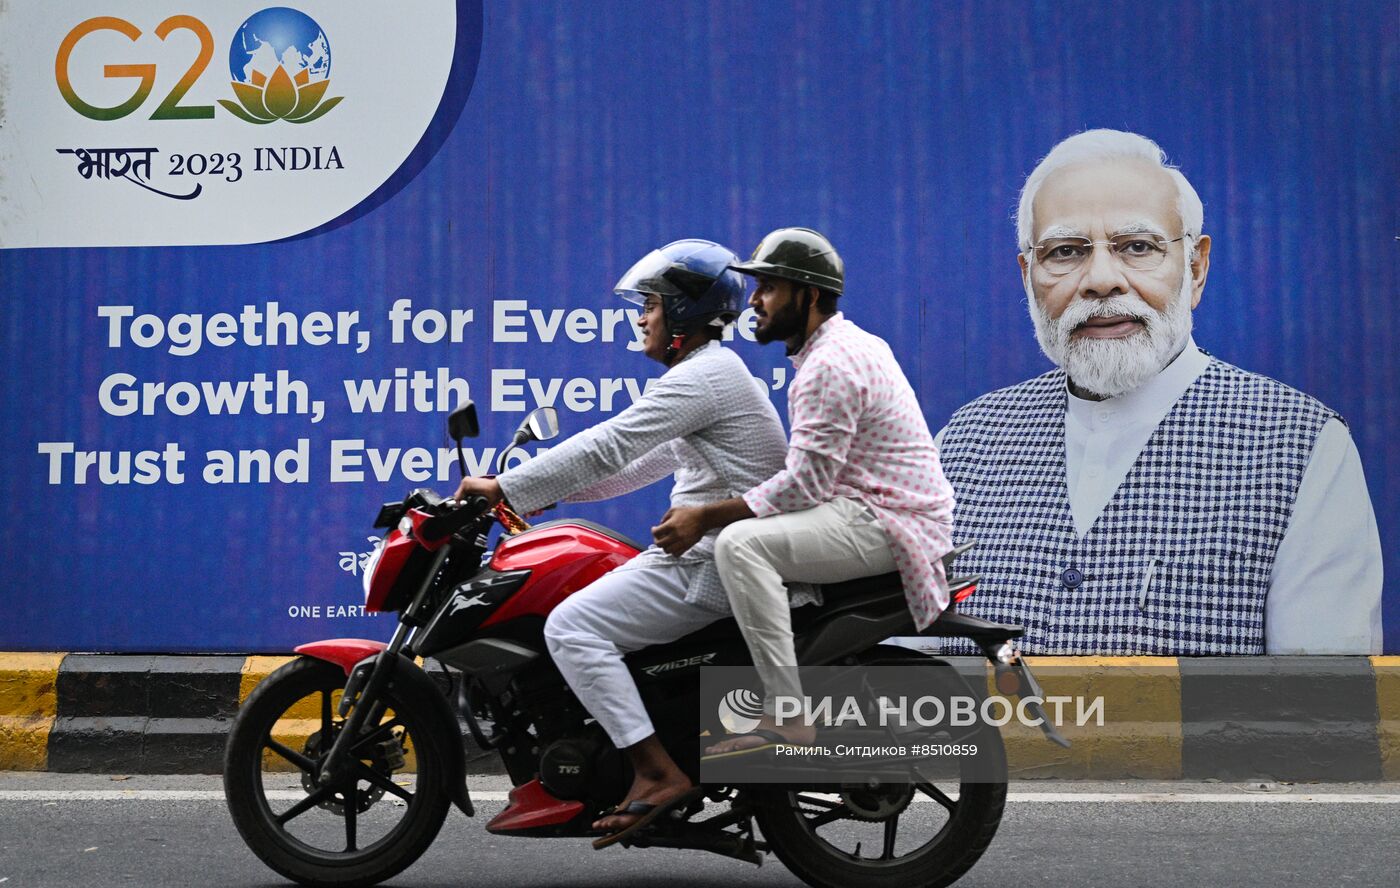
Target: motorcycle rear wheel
828,839
281,834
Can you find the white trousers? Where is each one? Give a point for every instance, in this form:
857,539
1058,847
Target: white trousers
831,543
621,612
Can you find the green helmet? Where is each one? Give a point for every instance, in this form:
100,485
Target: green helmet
797,254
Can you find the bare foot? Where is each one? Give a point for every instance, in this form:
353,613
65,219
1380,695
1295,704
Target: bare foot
652,791
801,735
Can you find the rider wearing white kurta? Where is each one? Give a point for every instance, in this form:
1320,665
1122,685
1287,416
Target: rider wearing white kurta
707,421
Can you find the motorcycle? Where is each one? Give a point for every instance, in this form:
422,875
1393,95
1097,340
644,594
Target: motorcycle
375,744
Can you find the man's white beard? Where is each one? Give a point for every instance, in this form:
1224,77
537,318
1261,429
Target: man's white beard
1112,367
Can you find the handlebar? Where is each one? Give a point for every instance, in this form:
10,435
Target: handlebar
441,526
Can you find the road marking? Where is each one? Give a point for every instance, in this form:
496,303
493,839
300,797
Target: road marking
1248,798
165,795
1198,798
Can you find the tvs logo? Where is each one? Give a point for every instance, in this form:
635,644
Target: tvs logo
280,61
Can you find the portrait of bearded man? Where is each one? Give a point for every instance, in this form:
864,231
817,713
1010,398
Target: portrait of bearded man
1146,497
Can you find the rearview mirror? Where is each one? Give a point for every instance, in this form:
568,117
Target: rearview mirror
461,423
541,425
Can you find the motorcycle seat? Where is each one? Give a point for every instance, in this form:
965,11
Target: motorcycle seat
872,590
881,593
878,594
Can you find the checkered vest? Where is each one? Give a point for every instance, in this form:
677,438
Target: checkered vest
1179,560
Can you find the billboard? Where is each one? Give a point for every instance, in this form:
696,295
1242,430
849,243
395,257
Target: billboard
252,255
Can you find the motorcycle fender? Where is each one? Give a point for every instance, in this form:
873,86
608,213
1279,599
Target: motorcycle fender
409,676
346,652
343,652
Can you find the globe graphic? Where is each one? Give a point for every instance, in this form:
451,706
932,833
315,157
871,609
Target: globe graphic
279,36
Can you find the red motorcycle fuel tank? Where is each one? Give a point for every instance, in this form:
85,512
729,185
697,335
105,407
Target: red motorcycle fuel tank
562,557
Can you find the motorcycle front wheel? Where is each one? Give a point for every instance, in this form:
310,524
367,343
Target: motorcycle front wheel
360,830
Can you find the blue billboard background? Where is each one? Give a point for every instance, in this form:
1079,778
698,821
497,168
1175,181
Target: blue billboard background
593,133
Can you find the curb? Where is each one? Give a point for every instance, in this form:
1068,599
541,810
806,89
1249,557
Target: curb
1387,670
143,714
1285,718
138,714
28,706
1141,735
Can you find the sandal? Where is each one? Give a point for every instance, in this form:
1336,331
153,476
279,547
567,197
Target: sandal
773,738
647,813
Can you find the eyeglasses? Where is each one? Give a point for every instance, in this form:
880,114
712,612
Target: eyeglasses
1140,251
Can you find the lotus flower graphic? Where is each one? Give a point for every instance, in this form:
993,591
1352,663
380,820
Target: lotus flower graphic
280,61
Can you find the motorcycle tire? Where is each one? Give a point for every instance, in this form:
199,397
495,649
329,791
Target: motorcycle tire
251,741
944,858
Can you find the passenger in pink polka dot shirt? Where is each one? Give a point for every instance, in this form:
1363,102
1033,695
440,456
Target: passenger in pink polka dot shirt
862,492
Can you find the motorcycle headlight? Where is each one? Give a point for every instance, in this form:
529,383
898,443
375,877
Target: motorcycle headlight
368,576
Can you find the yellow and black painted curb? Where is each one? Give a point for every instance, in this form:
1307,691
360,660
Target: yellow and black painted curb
143,714
28,707
1289,718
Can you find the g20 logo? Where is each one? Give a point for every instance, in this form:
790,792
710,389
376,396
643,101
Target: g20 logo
170,108
279,65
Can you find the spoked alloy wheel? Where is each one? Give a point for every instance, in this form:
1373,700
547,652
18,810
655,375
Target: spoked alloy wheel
360,830
927,834
926,830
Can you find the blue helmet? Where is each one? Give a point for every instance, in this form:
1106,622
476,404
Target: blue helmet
693,278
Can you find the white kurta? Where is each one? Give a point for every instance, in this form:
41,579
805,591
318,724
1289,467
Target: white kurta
707,421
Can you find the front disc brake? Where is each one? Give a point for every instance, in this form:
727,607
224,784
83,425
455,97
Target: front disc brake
388,757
